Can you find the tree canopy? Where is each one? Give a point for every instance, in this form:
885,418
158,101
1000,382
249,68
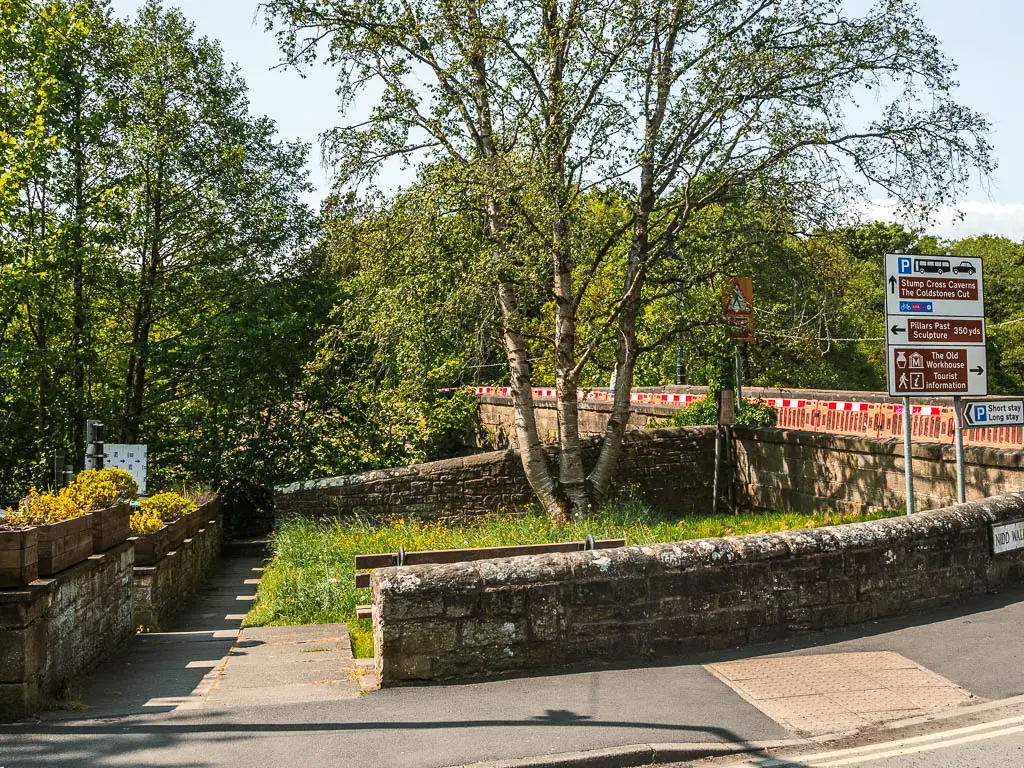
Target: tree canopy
529,110
580,177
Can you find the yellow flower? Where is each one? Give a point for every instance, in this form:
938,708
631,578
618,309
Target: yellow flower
168,506
145,522
42,508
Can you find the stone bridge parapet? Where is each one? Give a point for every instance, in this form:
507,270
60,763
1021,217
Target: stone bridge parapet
470,620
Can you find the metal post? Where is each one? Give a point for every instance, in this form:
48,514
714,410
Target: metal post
961,471
739,380
718,459
69,475
98,444
726,417
58,470
908,458
94,444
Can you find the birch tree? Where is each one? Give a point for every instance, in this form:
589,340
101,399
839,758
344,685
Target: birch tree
676,105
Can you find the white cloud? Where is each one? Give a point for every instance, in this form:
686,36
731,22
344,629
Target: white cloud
971,217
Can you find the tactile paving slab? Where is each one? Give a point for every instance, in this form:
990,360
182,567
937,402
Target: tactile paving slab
821,694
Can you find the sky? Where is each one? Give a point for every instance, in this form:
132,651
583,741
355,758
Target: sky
982,37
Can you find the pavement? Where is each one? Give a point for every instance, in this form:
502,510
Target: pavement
205,693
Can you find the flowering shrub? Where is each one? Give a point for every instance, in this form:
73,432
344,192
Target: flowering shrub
145,522
98,488
168,506
43,508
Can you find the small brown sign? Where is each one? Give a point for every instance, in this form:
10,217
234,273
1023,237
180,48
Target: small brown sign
937,331
927,369
738,306
938,288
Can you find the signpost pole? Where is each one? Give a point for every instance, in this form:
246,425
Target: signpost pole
961,471
908,459
739,379
58,470
726,418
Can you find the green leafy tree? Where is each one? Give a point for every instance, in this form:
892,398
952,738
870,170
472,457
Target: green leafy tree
1003,262
211,202
157,263
58,101
680,105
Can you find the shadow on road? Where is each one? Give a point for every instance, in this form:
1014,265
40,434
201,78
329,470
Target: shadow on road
93,743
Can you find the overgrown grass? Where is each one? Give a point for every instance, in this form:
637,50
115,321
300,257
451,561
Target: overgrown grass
311,579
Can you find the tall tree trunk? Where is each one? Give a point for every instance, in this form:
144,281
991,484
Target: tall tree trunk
627,348
572,476
531,449
38,218
660,79
142,324
78,330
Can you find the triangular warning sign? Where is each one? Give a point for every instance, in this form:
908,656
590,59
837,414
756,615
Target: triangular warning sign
738,302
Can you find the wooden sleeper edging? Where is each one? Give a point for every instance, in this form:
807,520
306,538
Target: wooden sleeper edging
64,544
19,558
110,526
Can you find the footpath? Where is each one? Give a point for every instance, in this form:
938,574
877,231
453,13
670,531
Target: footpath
205,693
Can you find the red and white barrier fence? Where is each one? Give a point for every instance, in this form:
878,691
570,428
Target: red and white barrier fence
930,423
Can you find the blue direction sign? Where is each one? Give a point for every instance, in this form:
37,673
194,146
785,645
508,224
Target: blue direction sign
993,413
943,286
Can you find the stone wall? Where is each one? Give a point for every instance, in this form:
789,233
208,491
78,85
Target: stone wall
787,470
496,425
672,469
448,622
160,590
57,628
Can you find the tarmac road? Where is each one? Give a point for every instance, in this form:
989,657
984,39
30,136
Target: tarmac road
139,724
990,738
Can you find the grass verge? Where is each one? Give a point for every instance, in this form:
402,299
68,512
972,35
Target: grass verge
311,579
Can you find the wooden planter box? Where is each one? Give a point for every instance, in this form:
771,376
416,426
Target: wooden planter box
201,517
151,548
19,564
178,531
195,522
110,526
210,510
64,544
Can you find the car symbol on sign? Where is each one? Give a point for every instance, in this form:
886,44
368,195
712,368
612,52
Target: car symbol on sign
964,267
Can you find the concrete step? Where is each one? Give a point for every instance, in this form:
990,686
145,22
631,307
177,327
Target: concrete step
258,547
